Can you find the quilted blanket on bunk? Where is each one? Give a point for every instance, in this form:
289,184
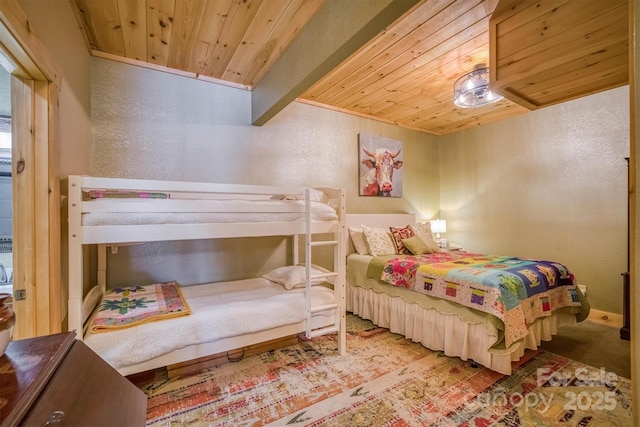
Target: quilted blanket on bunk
516,290
129,306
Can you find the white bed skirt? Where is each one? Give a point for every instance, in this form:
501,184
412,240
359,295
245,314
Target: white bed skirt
448,332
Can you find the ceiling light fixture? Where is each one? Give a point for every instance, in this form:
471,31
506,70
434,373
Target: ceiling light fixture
472,89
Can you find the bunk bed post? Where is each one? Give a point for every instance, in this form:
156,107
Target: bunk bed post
102,268
295,255
307,259
74,195
340,267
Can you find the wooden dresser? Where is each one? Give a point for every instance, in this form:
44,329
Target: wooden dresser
57,380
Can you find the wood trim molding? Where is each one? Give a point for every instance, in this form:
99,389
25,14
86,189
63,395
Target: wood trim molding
605,318
23,169
155,67
634,123
36,80
54,226
29,53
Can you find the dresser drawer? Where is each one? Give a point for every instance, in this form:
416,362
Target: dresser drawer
86,391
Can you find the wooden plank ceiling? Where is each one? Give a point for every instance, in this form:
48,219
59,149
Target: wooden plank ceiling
547,52
405,75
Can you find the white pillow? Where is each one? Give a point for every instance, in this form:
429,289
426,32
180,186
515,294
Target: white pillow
314,196
293,276
357,238
379,241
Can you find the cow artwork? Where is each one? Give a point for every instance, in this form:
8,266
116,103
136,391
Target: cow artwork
379,165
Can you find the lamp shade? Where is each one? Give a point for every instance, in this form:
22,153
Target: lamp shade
438,226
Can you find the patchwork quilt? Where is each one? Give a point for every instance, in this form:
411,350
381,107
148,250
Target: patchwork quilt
130,306
516,290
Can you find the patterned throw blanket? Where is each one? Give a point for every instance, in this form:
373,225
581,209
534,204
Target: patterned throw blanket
130,306
516,290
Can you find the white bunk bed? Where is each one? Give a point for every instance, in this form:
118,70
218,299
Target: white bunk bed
115,211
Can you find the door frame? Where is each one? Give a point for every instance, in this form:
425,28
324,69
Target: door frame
35,83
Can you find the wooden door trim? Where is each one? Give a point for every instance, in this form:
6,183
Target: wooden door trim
36,80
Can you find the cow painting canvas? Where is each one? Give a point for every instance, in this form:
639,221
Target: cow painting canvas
380,166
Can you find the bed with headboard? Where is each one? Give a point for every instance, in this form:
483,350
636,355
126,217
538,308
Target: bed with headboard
448,300
149,325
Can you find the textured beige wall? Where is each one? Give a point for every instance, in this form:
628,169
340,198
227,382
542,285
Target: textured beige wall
548,184
153,125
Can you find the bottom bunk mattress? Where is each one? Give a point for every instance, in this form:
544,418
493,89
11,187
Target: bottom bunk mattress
444,325
218,311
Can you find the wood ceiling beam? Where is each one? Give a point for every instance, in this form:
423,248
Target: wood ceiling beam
337,31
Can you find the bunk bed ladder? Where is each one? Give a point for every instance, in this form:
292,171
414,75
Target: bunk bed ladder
338,325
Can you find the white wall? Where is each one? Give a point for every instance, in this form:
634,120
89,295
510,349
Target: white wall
550,184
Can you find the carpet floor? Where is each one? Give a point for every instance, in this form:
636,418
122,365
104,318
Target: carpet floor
386,380
594,344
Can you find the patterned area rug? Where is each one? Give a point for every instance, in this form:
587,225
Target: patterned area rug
386,380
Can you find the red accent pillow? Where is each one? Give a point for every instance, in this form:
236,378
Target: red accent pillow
398,234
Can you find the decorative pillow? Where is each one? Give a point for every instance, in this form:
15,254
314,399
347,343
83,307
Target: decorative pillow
293,276
398,234
357,238
423,230
416,245
379,241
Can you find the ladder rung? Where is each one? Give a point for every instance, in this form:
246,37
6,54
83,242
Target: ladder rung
325,307
323,331
324,243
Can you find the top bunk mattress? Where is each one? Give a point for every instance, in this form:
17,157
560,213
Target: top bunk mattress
124,212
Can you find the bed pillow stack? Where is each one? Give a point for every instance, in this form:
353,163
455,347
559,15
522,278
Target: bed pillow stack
378,241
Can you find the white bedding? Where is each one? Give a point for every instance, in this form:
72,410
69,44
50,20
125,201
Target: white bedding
207,211
219,310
